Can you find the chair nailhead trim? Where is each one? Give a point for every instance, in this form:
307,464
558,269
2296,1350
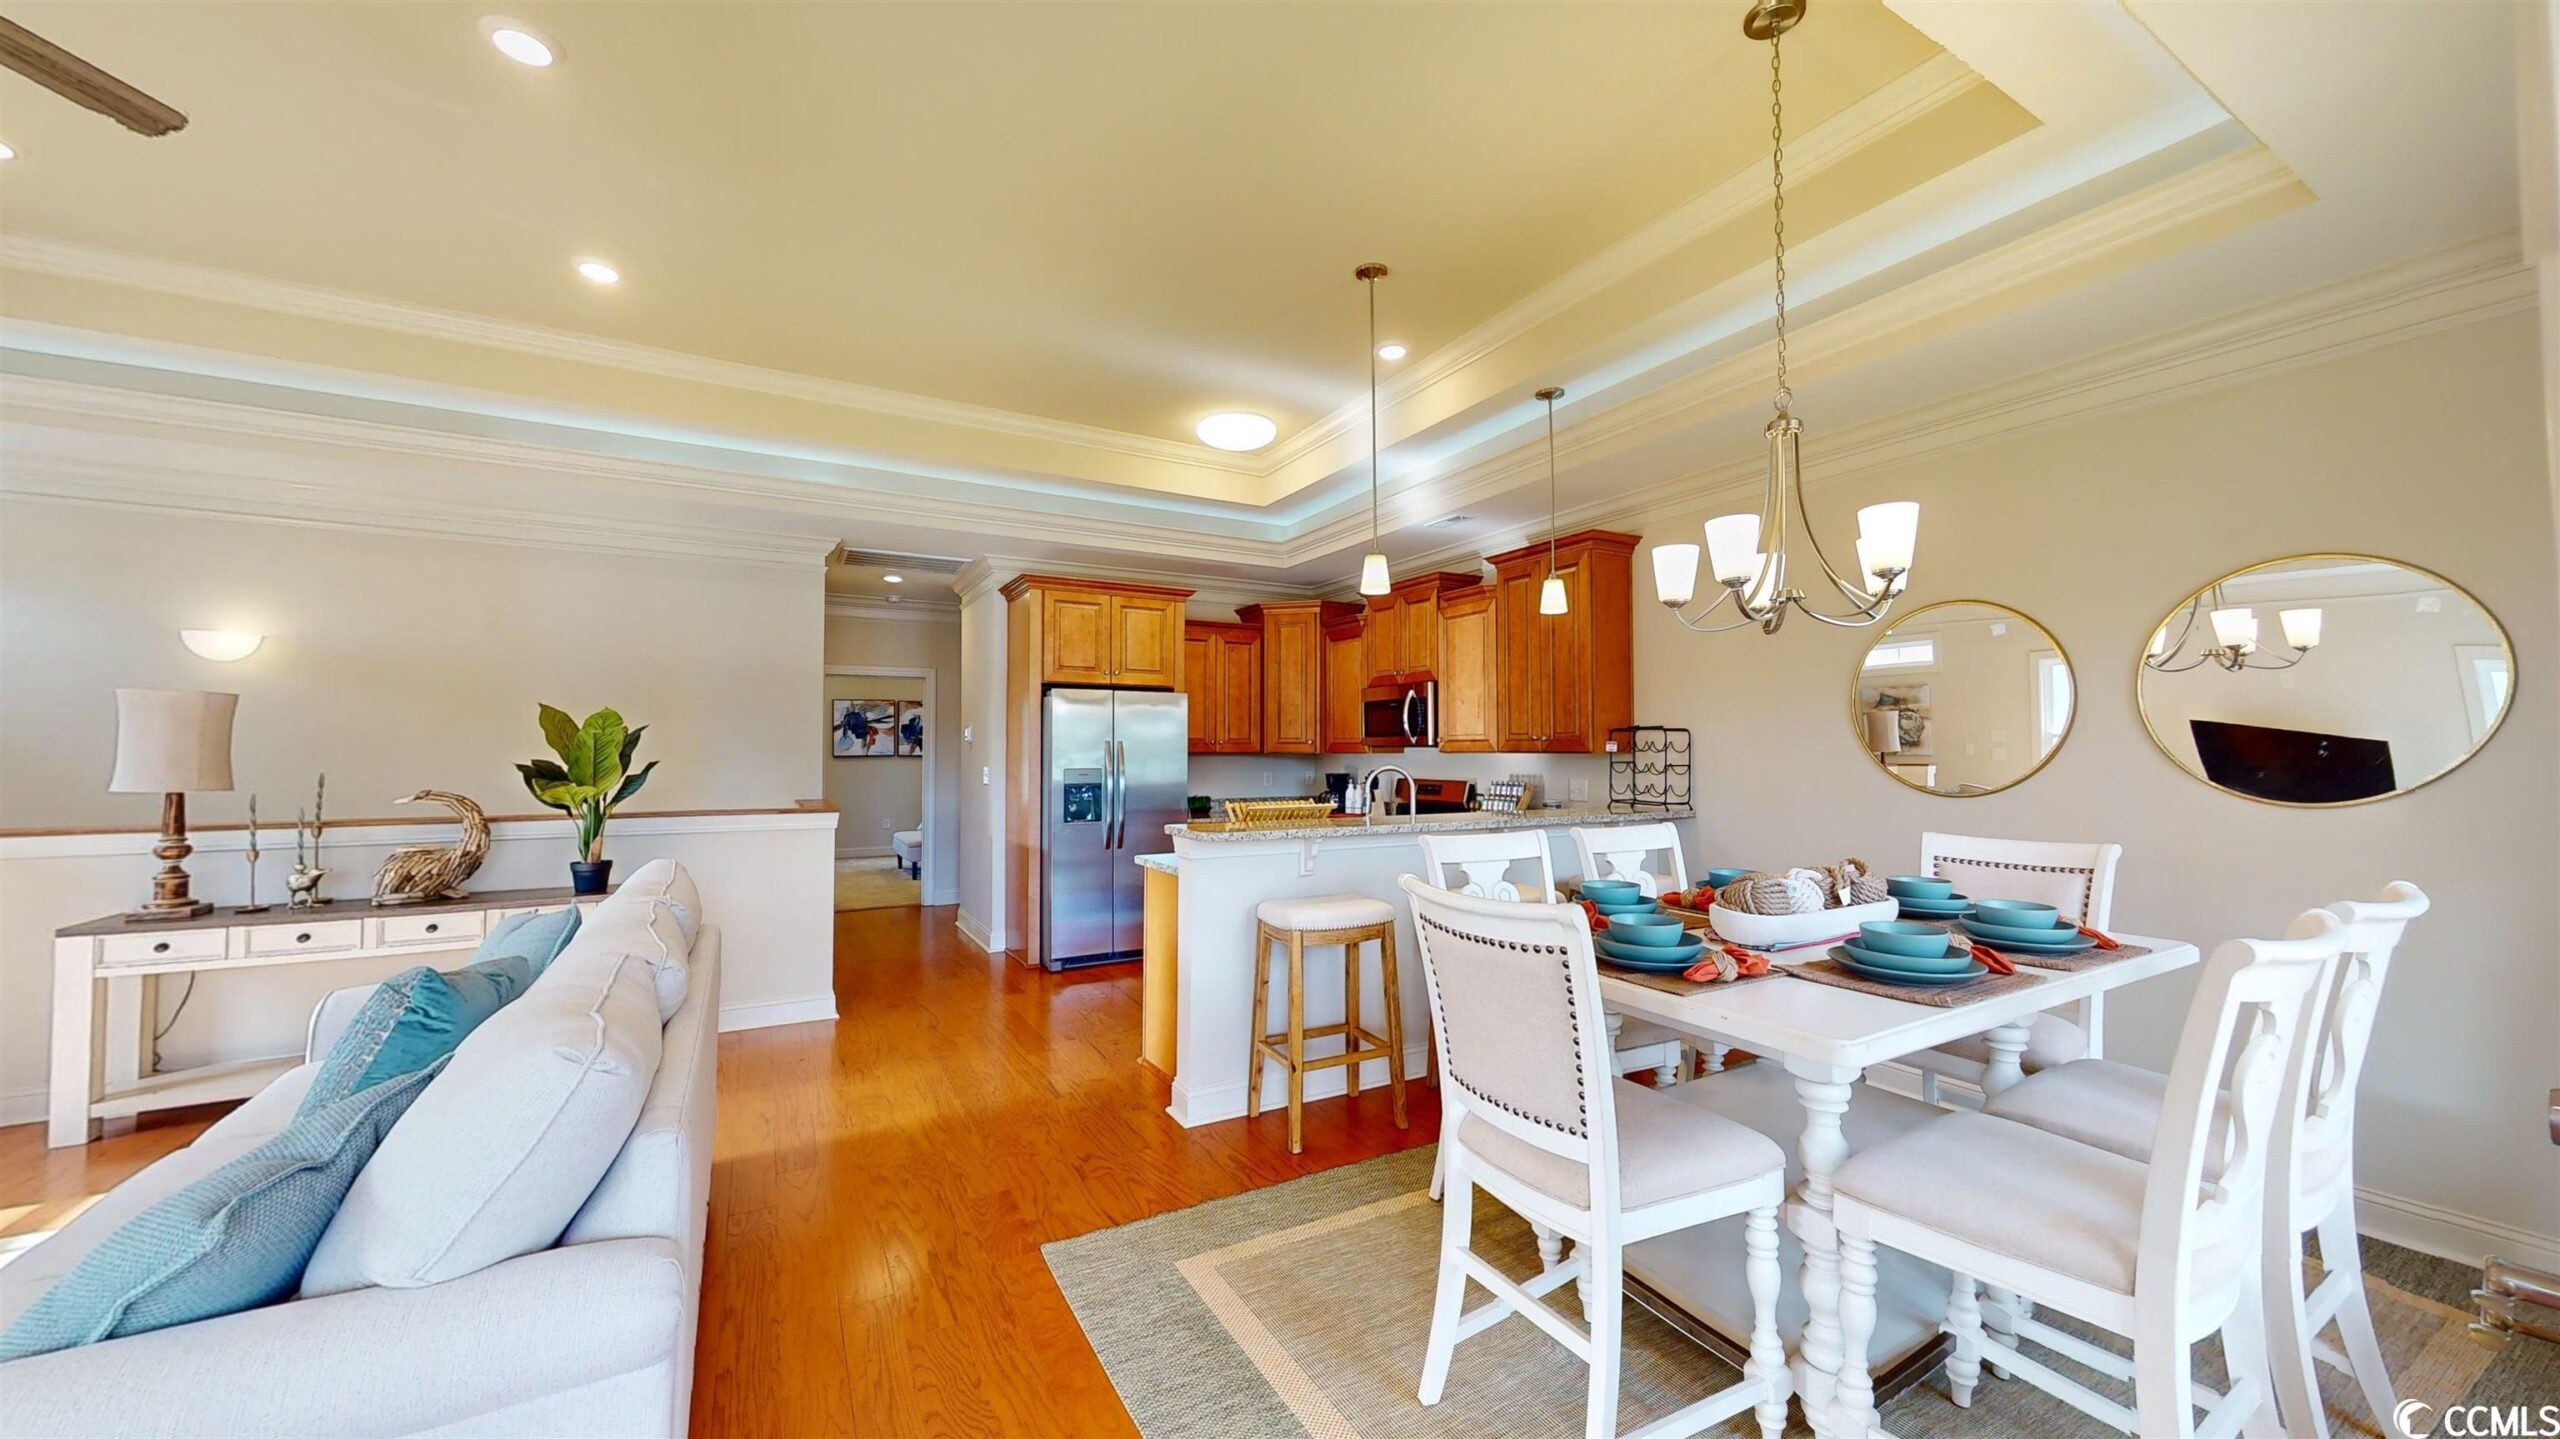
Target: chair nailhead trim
2086,877
1573,1020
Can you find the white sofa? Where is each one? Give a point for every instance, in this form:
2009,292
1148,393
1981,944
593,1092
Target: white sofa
591,1337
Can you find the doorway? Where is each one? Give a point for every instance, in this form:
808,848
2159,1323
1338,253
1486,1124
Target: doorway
879,775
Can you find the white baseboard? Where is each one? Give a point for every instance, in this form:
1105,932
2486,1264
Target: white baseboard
1210,1104
764,1014
862,851
2450,1233
972,930
22,1106
944,896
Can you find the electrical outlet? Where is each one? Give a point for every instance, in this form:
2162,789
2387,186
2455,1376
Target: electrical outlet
1579,790
982,775
1266,779
886,827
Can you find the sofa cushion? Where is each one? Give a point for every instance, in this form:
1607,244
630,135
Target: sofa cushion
537,938
499,1154
236,1238
665,881
413,1019
651,927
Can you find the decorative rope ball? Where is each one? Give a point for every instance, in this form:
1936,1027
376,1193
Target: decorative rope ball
1798,891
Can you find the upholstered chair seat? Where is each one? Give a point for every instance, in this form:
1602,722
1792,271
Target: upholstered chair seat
1666,1150
1324,911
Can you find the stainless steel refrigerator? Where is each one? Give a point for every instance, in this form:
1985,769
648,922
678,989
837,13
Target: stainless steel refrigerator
1116,767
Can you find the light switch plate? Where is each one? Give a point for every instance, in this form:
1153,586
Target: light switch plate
1579,790
968,734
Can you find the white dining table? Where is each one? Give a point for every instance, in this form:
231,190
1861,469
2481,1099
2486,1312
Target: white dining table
1823,1038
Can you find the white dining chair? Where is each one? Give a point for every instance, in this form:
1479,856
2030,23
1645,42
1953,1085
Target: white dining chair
1649,856
2117,1107
2077,879
1543,1128
2164,1253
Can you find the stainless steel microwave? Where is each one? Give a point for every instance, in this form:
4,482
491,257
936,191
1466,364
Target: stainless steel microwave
1401,716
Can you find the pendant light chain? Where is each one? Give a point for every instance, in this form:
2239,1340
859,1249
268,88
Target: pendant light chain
1778,209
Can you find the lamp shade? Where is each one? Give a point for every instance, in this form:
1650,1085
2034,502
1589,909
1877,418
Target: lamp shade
1675,573
2235,629
1733,547
1884,731
172,741
1373,574
1889,534
2301,627
1551,597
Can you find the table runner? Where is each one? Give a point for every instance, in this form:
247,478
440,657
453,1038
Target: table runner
1990,986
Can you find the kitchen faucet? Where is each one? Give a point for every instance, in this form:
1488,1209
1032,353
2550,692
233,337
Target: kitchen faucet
1369,786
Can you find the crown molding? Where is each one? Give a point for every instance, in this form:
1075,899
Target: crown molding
910,612
311,302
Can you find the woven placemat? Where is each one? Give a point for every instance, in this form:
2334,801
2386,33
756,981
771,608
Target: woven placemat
1990,986
1676,983
2070,963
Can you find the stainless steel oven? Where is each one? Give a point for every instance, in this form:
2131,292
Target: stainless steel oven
1401,716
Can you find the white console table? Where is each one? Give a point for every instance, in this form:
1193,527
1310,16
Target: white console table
103,1052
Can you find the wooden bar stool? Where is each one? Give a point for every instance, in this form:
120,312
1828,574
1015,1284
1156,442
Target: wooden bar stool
1350,921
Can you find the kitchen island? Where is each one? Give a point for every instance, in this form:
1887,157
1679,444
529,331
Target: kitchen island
1225,871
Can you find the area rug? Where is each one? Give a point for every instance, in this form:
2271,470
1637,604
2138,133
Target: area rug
874,883
1301,1309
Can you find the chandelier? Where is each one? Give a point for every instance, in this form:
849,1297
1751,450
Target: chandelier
2235,637
1749,552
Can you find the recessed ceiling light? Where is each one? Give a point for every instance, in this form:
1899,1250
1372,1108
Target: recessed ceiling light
1391,352
600,272
7,151
1237,430
894,579
519,42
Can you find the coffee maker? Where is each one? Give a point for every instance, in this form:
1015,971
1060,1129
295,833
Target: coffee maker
1337,783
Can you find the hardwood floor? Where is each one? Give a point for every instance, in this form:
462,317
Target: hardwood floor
883,1185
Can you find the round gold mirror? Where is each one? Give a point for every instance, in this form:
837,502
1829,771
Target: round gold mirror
2324,680
1963,698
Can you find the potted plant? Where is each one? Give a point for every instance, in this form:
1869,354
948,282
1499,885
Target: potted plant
1201,804
592,777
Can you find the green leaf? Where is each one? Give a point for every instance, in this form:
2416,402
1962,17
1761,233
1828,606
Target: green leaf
630,744
595,756
631,785
558,730
565,794
540,773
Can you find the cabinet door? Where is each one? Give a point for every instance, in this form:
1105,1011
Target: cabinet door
1238,726
1521,717
1569,717
1146,641
1199,671
1418,623
1469,668
1386,641
1292,684
1346,670
1075,638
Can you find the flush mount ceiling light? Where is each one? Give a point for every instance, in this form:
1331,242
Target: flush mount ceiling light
7,151
600,272
1748,552
520,42
221,646
893,579
1237,430
1391,353
1374,579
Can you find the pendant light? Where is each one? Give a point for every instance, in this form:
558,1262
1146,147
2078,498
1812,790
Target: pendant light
1373,567
1551,599
1748,552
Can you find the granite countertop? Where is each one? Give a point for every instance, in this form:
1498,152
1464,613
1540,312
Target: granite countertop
1346,826
1160,863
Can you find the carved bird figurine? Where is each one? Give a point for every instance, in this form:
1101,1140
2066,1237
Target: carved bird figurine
421,872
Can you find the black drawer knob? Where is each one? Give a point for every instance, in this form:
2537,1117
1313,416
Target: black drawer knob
432,928
303,938
161,948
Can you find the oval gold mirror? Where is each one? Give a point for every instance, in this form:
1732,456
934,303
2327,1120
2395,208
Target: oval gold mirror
2325,680
1963,698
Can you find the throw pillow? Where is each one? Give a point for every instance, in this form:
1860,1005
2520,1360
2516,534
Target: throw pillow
418,1015
233,1240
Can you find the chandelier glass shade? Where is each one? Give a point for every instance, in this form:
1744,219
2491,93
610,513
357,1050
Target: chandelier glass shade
1748,554
2235,637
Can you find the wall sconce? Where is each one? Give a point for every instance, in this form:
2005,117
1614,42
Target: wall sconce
222,646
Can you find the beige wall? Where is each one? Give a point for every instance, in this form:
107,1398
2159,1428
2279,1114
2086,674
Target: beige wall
2431,451
875,796
875,788
393,663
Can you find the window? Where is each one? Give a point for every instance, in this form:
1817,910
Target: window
1920,652
2053,702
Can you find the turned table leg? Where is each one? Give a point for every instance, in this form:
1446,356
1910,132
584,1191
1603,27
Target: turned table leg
1823,1090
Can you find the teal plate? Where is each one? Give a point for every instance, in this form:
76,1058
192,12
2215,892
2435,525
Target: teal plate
1951,963
1936,908
1650,956
2048,941
1841,956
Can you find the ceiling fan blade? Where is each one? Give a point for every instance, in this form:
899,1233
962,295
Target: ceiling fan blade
82,83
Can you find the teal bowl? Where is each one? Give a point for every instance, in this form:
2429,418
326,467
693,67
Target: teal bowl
1719,878
1902,936
2018,913
1597,889
1647,929
1918,886
1632,904
1955,961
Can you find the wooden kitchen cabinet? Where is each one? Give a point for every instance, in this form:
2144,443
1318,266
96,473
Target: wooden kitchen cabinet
1469,671
1222,677
1295,686
1564,681
1404,627
1101,633
1346,673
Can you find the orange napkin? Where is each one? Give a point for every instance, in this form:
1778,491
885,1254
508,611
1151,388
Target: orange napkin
1746,965
2103,941
1599,921
1993,960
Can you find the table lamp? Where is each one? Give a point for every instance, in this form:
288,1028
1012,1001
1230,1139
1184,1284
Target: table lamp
1884,732
167,743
